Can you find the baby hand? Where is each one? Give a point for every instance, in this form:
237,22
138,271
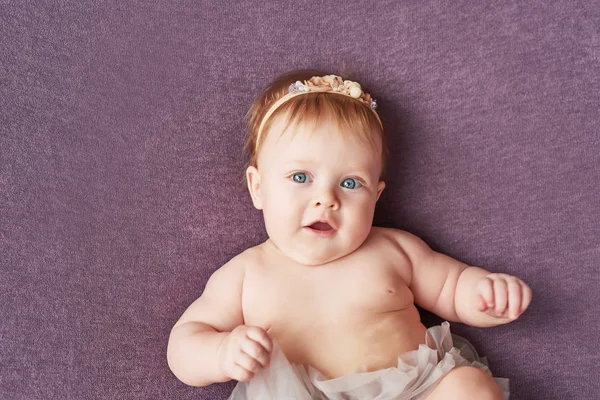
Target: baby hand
502,296
244,351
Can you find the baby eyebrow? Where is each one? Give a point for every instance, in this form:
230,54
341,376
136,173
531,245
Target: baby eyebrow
358,178
358,170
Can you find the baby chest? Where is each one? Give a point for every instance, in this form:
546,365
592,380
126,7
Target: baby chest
338,294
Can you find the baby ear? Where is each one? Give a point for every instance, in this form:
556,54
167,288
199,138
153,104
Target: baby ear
253,179
380,187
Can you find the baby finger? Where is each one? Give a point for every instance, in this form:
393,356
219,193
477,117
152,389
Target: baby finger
240,373
514,298
526,299
500,295
260,336
485,288
256,351
247,362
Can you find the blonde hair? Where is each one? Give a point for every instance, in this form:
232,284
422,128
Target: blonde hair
351,115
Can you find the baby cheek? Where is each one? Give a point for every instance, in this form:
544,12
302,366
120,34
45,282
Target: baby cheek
361,214
283,209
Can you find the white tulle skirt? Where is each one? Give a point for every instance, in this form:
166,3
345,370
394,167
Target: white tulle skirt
414,378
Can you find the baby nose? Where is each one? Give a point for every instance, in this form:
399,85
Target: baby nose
327,199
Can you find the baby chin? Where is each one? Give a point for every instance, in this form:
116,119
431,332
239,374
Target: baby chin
315,248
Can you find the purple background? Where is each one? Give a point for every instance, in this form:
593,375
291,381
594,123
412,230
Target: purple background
120,160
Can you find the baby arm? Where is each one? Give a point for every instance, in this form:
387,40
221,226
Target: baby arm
210,342
458,292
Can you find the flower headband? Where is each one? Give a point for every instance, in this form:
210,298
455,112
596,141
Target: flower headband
322,84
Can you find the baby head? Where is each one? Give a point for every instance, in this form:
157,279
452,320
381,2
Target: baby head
317,158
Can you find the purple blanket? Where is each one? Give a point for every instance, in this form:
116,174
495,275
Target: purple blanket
120,167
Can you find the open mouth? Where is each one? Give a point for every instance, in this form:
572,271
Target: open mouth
321,226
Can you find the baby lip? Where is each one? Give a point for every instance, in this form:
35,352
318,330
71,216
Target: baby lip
320,226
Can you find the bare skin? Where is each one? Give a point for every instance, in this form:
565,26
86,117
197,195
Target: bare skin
328,316
355,313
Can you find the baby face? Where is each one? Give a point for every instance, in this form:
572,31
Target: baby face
317,188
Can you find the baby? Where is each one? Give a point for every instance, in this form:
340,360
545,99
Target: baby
325,308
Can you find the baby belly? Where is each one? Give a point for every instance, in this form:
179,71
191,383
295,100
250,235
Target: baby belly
373,344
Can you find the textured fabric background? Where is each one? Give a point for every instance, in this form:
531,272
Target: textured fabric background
120,160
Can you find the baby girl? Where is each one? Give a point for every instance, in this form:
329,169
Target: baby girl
325,308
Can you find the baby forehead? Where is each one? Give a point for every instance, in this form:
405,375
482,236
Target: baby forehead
324,146
314,152
323,139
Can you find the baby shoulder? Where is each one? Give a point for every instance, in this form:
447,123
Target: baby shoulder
235,269
410,244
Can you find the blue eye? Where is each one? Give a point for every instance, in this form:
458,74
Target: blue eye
351,183
300,177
